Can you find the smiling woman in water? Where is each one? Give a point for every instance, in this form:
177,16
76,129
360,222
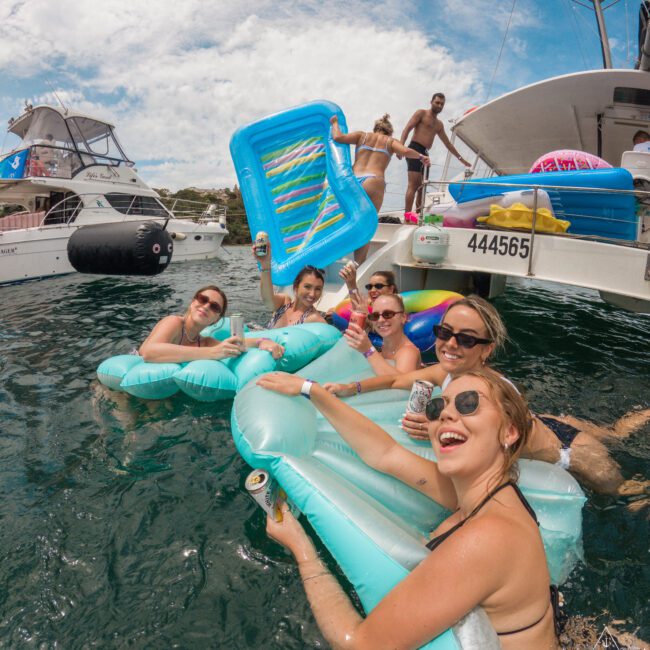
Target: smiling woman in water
477,429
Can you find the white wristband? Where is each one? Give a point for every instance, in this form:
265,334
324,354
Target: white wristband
306,388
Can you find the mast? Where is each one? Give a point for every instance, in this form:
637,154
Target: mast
604,41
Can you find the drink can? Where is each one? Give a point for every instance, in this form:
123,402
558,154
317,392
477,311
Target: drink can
420,396
261,243
359,318
352,265
237,327
266,492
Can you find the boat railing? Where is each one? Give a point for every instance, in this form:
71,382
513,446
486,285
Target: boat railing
640,218
66,211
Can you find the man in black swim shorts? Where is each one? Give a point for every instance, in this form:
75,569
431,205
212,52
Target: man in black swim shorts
425,126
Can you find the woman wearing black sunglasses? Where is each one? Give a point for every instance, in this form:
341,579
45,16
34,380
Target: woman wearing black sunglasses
307,291
397,354
381,283
468,335
477,431
176,339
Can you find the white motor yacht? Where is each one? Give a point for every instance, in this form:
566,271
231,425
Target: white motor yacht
70,171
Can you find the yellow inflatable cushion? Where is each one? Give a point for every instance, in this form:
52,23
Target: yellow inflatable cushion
519,216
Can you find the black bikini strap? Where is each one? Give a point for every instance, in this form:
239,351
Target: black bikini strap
525,503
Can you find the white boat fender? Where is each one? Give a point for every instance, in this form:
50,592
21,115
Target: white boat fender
123,248
180,236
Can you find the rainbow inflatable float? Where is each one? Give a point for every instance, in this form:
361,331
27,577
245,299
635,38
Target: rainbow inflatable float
567,160
424,308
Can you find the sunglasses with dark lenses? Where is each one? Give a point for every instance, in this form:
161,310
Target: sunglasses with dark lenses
378,285
466,403
464,340
202,299
315,269
387,314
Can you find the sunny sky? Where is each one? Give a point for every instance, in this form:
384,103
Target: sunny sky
178,77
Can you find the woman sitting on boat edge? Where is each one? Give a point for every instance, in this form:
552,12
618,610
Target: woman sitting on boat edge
476,430
307,289
398,353
177,339
469,333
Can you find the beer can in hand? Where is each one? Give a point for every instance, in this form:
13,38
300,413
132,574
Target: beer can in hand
267,493
261,241
420,396
359,318
237,328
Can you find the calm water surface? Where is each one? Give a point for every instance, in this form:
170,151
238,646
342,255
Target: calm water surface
124,523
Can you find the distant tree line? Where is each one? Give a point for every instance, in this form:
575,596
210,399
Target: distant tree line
238,231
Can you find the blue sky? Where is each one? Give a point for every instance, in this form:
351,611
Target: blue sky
177,78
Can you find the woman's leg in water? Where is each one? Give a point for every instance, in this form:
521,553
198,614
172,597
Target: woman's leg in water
624,427
375,189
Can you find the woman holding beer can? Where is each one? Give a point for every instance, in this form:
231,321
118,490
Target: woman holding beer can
387,318
477,429
307,290
176,339
466,338
381,283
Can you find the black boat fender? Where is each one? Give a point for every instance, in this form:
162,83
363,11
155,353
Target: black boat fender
122,248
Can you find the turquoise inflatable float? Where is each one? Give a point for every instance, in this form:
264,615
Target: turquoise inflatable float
372,524
208,380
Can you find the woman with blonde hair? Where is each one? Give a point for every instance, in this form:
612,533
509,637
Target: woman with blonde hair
373,152
477,429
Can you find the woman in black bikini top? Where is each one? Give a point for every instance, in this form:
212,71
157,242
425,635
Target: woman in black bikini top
492,556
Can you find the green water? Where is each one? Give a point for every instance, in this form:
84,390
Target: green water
125,524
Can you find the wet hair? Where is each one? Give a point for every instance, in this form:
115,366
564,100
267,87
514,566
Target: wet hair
215,288
641,134
495,327
438,95
308,270
389,278
383,125
515,411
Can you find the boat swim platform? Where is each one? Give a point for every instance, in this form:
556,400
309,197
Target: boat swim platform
618,270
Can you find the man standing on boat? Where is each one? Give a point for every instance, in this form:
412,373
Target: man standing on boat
425,126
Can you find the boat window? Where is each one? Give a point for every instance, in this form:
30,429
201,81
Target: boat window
146,206
95,138
47,127
637,96
65,208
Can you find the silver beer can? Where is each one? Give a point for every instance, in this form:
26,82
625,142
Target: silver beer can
237,328
420,396
261,243
266,492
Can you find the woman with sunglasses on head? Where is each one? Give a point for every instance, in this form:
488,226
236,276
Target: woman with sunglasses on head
398,354
469,333
372,155
307,291
176,339
477,430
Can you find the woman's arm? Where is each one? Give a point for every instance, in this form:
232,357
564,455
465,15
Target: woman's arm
270,299
343,138
407,152
408,359
375,447
160,345
404,382
447,585
274,348
349,276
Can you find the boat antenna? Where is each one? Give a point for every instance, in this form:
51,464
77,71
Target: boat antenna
503,42
602,31
58,99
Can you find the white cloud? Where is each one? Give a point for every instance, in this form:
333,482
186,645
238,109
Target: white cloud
179,77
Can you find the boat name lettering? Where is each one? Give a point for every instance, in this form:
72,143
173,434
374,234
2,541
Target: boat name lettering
109,175
500,245
8,251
